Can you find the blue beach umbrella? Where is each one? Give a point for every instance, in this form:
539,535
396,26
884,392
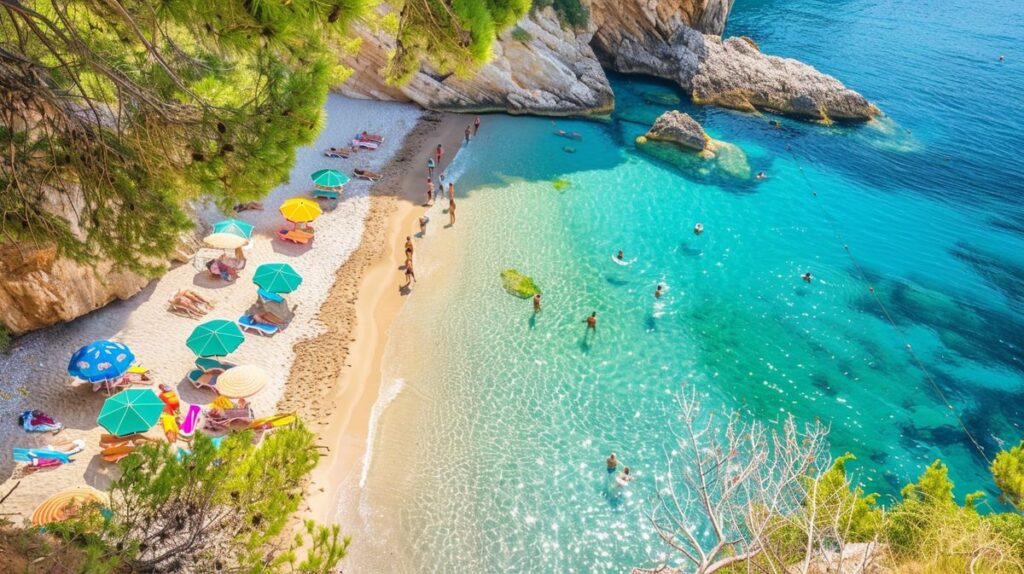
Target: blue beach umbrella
234,227
100,361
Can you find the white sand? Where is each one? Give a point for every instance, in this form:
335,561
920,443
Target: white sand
34,375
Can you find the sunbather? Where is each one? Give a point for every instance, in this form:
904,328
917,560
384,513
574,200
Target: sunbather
368,137
367,174
219,269
267,318
342,152
249,205
196,298
185,306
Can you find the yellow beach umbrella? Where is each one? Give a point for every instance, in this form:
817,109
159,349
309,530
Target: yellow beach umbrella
224,240
300,210
66,504
242,381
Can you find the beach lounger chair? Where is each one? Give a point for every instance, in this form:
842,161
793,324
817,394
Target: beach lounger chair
30,454
339,152
212,365
325,194
190,423
295,236
228,418
365,144
117,452
203,380
367,174
250,325
264,294
368,137
273,422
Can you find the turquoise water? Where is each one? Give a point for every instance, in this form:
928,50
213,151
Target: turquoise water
497,465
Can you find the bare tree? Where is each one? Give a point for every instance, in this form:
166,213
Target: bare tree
729,481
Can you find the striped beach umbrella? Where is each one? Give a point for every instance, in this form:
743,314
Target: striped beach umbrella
66,504
234,227
329,178
130,411
300,210
215,338
100,361
277,277
242,381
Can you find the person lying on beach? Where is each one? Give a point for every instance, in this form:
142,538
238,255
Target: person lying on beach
343,152
367,174
249,205
368,137
183,304
218,269
195,298
267,317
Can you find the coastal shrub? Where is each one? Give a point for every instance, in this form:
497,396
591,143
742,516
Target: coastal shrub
1008,472
571,13
5,338
150,108
517,284
520,35
216,508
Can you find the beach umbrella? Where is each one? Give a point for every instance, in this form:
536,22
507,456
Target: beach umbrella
329,178
215,338
130,411
66,504
277,277
242,381
100,361
300,209
234,227
225,240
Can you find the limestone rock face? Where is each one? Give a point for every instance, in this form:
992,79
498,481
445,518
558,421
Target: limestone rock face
39,288
680,129
553,72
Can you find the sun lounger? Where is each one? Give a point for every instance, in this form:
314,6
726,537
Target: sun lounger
325,194
250,325
116,453
112,439
211,365
38,421
263,293
273,422
365,144
202,380
228,418
30,454
191,422
294,236
339,152
368,137
367,174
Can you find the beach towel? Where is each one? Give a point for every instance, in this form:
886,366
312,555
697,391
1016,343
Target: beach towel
38,421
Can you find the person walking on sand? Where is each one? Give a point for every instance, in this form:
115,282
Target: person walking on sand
423,225
439,153
410,275
430,191
451,191
469,130
536,303
430,167
408,246
613,463
476,125
451,213
592,321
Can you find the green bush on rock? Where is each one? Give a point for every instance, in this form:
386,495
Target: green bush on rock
517,284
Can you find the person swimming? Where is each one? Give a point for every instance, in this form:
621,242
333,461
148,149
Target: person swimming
620,256
592,321
624,478
761,175
658,291
613,463
807,277
698,229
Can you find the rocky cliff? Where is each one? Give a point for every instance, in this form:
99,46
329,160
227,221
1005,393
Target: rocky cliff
545,69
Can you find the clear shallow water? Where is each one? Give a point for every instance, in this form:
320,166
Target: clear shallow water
491,457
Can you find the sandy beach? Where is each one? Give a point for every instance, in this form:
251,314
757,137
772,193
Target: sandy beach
35,375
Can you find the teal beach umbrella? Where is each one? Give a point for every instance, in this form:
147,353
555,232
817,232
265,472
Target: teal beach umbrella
215,338
234,227
277,277
130,411
329,178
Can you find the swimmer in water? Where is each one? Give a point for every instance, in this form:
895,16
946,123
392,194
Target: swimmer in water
536,303
620,255
613,463
1002,57
807,277
698,229
761,175
624,478
658,291
592,321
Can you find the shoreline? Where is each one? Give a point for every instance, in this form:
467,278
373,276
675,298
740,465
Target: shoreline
360,324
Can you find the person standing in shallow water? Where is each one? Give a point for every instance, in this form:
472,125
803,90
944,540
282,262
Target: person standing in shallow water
613,463
476,124
468,131
451,213
536,303
451,192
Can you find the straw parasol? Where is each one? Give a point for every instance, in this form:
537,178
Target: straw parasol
300,210
225,240
66,504
215,338
242,381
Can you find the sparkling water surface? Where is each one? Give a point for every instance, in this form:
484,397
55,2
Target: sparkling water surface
491,458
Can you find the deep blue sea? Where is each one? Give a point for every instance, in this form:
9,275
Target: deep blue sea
506,416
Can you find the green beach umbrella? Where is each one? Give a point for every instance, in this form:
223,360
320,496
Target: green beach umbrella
329,178
215,338
277,277
130,411
234,227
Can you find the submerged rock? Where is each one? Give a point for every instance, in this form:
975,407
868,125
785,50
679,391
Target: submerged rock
517,284
680,129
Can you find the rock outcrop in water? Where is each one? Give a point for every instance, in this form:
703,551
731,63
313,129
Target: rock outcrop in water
557,71
678,139
680,129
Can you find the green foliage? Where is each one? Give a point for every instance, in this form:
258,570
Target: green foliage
114,114
520,35
517,284
454,35
211,508
5,338
1008,471
571,13
834,500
